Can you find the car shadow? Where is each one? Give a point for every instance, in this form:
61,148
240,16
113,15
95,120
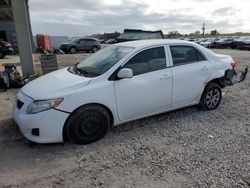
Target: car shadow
11,133
17,151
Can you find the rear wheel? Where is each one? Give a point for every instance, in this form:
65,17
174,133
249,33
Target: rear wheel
73,50
94,49
211,97
88,124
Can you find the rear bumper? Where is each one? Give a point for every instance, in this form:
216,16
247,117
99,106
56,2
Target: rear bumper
231,77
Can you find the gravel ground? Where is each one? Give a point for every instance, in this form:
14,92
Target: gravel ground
184,148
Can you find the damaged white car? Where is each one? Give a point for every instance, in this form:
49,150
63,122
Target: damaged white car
121,83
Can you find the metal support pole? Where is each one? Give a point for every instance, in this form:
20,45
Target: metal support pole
23,33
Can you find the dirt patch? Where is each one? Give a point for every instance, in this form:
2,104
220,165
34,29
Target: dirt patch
184,148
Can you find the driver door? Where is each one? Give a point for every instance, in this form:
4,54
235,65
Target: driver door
149,90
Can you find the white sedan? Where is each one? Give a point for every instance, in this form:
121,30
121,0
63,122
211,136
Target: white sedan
121,83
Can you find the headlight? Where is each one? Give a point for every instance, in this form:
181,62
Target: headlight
43,105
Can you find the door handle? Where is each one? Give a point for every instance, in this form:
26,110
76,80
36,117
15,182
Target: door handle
204,68
165,77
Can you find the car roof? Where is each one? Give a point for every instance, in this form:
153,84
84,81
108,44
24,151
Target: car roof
152,42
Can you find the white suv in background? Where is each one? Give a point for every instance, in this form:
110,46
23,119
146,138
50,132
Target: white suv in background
118,84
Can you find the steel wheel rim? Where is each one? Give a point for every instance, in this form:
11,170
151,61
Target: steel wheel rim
94,49
212,98
73,50
89,125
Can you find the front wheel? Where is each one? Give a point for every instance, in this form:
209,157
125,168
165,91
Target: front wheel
211,97
88,124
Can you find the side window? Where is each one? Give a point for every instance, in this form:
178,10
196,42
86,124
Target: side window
200,57
185,54
89,40
82,41
147,61
78,41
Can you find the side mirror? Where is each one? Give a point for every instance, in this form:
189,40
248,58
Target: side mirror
125,73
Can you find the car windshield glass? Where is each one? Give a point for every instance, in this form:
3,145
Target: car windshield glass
103,60
73,41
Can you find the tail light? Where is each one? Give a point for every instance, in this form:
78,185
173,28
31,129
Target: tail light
233,64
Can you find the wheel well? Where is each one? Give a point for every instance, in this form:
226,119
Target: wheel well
66,122
216,81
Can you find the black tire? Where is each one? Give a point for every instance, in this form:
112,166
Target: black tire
73,50
88,124
94,49
211,97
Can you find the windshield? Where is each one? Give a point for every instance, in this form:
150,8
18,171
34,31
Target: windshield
103,60
73,41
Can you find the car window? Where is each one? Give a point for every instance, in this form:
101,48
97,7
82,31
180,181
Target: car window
74,41
147,61
88,40
83,40
185,54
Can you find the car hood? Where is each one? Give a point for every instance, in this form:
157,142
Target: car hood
55,84
64,44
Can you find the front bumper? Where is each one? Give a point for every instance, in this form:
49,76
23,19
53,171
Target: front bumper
49,123
65,48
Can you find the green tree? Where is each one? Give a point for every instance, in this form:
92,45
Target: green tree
214,32
173,34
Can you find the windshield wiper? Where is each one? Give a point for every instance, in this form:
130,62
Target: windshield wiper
80,71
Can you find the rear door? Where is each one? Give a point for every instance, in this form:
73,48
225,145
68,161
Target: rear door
88,44
84,44
190,70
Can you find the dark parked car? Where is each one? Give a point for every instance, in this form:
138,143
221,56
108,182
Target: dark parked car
81,44
245,45
110,41
5,49
222,43
242,43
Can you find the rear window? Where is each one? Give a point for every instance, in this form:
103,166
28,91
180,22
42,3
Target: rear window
185,54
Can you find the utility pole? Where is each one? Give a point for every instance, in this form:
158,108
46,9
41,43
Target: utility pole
203,29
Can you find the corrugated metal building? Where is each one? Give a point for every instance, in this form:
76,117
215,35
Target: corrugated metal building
7,25
56,41
135,34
